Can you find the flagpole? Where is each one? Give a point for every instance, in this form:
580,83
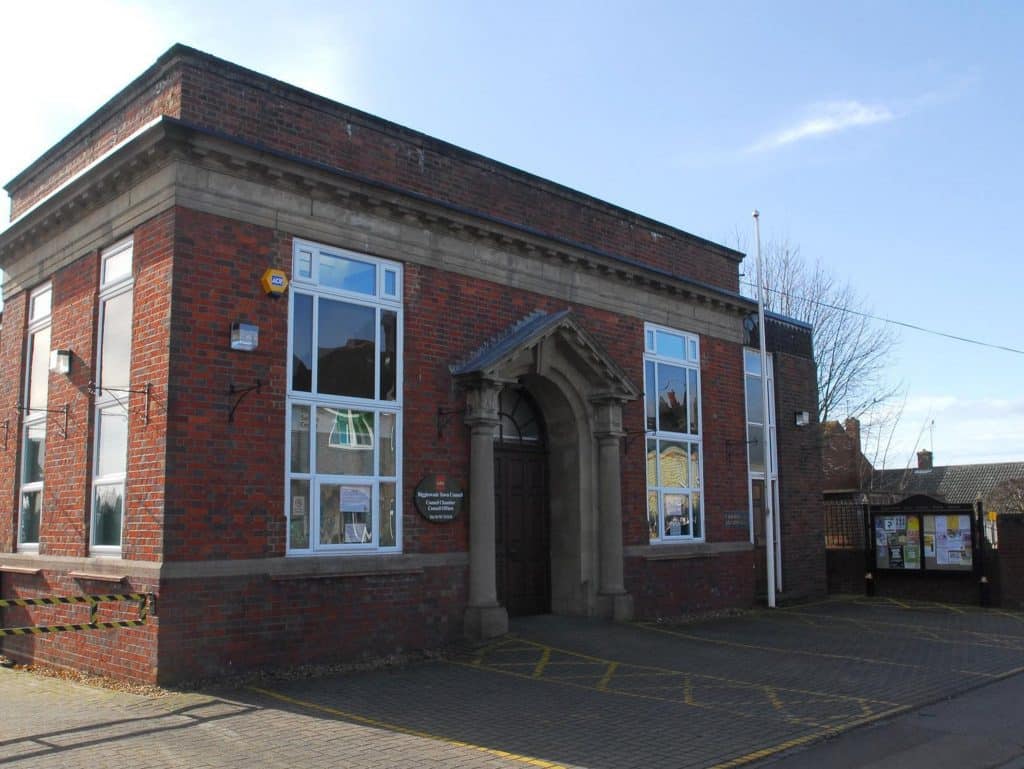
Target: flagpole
766,440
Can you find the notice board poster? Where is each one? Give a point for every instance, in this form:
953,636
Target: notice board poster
948,542
897,542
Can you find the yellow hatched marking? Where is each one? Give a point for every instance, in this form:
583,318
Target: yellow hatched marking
785,650
349,716
773,699
651,688
602,685
545,658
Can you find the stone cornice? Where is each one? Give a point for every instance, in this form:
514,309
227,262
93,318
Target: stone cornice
171,140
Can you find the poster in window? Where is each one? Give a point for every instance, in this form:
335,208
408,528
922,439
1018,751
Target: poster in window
897,542
951,542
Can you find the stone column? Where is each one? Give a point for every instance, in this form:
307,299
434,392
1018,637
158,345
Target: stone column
484,617
608,431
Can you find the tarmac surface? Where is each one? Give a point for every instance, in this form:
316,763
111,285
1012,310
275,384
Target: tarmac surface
847,682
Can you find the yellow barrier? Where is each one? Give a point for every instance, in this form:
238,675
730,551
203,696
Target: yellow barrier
145,601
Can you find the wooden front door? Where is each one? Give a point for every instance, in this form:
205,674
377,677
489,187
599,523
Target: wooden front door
522,531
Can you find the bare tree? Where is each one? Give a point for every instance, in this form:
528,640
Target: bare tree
1008,497
851,349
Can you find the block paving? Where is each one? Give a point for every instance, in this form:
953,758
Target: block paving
557,692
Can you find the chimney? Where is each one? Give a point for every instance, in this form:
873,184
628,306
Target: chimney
853,431
924,460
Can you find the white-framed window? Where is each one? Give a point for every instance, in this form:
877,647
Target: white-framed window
672,409
344,404
33,444
756,432
113,380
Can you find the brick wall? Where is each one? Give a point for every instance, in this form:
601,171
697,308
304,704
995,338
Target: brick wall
802,516
226,625
669,588
123,653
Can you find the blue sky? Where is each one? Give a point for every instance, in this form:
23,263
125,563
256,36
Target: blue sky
882,138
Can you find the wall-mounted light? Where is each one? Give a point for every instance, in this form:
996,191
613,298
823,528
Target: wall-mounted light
802,418
60,361
244,336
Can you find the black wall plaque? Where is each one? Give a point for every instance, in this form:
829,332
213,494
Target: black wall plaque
439,499
737,519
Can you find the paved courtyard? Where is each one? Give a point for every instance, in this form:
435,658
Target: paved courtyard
556,692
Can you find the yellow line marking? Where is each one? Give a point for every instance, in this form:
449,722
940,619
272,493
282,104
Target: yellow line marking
830,731
602,685
688,691
348,716
804,740
784,650
545,658
863,623
773,699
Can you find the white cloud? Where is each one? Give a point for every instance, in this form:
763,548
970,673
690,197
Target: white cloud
965,430
823,119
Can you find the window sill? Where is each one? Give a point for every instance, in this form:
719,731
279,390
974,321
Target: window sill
93,577
685,551
20,570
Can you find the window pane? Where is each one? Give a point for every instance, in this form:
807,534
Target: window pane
112,442
672,411
755,448
755,412
652,462
28,523
41,305
652,514
671,345
344,441
115,360
300,439
390,283
109,507
388,526
387,445
117,266
752,362
650,396
345,514
677,515
388,355
346,334
694,400
298,525
693,350
302,343
304,264
674,462
695,465
649,341
696,517
39,370
348,274
34,456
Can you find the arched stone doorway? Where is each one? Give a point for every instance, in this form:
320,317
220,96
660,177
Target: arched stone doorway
579,390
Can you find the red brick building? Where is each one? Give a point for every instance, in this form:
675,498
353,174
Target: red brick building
481,393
